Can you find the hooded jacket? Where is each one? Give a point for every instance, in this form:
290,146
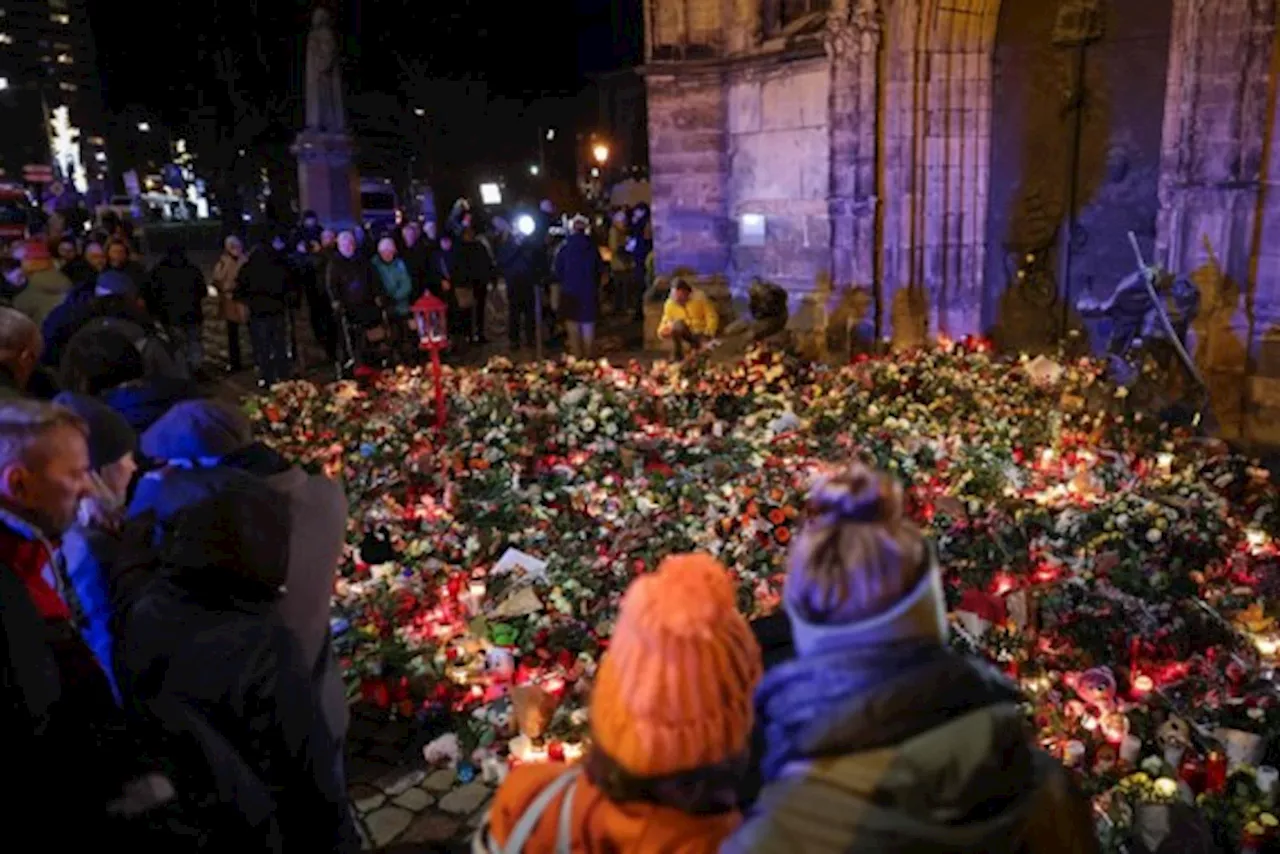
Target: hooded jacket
904,748
205,658
317,515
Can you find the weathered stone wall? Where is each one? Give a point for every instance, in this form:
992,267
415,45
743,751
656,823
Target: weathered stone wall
779,167
688,167
1218,210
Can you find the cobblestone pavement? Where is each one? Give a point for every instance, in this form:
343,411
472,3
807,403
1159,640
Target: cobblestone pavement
400,804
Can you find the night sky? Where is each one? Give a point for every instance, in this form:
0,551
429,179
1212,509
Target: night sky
154,58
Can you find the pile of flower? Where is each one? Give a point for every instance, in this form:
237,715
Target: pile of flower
1122,571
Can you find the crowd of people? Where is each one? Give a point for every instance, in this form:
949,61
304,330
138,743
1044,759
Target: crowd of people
164,602
355,291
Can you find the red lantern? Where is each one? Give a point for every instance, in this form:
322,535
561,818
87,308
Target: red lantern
431,315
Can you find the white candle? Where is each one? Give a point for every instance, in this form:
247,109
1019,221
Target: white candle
1266,779
1130,749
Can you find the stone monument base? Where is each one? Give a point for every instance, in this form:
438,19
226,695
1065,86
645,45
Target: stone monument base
327,180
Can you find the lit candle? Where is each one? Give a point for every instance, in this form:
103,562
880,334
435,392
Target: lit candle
1142,685
1165,461
1256,539
1267,645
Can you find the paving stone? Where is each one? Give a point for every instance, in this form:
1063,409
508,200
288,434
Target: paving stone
414,800
365,798
432,827
386,824
465,800
365,844
398,782
440,781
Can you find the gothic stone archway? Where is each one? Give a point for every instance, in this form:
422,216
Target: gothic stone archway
1078,100
936,107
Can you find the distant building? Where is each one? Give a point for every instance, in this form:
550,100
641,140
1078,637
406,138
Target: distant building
47,61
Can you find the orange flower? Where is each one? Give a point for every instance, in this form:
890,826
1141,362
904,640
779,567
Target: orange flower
777,517
791,512
775,496
783,535
753,510
480,464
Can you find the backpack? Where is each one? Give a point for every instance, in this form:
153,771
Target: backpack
158,353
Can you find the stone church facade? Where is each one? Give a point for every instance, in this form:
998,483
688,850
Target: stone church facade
915,168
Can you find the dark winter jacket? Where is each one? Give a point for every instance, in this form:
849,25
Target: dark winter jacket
69,318
472,264
904,748
578,268
265,283
56,705
175,291
204,657
417,258
518,261
349,282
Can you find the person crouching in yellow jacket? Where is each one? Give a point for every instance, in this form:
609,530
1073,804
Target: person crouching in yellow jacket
688,318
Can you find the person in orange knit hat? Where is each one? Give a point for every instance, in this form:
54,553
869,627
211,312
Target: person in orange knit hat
671,714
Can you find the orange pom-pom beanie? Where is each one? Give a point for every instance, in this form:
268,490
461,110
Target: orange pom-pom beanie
674,691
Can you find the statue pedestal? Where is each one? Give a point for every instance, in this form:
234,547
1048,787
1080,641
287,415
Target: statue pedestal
327,180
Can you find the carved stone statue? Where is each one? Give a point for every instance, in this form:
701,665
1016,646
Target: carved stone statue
324,77
1136,321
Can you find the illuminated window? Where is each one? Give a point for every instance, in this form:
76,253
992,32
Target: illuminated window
5,38
65,59
68,87
751,230
60,18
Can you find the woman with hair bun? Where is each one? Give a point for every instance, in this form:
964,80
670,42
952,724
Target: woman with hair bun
877,736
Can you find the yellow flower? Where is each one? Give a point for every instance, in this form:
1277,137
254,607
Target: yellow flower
1269,820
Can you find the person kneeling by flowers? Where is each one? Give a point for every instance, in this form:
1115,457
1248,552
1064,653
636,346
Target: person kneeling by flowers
877,736
670,718
689,319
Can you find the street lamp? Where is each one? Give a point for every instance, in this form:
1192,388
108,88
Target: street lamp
4,83
551,134
601,153
534,170
419,112
144,127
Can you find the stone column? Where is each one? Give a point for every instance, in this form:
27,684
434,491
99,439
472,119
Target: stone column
688,168
853,43
1219,220
327,181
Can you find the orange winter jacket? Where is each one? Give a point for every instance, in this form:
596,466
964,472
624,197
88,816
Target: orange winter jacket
599,825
